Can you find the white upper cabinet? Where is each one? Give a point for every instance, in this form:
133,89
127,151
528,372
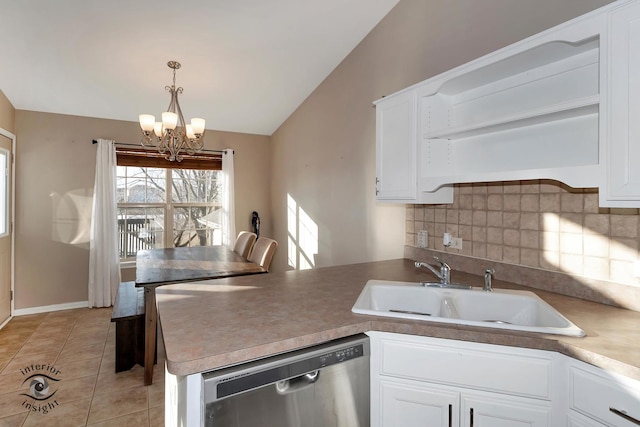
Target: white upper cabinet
557,105
621,150
396,166
531,114
395,148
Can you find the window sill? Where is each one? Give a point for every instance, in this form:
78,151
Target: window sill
127,264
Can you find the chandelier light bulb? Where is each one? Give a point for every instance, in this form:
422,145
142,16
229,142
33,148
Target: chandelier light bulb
147,121
198,126
189,131
169,120
157,129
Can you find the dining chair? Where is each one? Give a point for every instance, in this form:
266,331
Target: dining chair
263,251
244,243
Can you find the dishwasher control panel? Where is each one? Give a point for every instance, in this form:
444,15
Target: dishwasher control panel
341,355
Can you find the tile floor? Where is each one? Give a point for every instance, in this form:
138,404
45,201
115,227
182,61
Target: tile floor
79,347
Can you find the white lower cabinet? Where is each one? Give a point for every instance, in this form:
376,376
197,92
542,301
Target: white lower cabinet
407,404
418,381
610,399
433,382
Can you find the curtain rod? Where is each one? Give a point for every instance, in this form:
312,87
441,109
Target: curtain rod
136,145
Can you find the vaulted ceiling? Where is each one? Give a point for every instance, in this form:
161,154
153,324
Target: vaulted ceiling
246,64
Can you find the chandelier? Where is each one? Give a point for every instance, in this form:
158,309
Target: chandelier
172,135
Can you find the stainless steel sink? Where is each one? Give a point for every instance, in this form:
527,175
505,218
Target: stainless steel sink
503,309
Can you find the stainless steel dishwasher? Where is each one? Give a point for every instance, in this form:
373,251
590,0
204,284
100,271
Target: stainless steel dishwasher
322,386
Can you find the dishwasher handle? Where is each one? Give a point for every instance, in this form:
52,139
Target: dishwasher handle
296,384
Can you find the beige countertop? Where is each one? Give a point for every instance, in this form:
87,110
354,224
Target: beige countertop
211,324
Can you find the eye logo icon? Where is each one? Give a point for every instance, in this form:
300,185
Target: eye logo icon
41,381
39,387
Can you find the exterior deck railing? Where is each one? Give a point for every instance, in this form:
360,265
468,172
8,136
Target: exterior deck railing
135,235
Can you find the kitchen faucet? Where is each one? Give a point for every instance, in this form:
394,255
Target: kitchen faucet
488,274
445,271
444,275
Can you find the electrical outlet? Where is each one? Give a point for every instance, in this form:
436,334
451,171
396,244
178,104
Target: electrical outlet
456,243
423,239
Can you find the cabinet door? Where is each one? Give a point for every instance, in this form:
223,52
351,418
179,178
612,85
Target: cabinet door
622,109
408,405
499,411
396,147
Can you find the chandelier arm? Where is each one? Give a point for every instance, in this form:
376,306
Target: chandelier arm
162,143
172,102
168,139
183,140
181,136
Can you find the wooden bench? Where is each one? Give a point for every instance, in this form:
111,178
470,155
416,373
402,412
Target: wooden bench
128,315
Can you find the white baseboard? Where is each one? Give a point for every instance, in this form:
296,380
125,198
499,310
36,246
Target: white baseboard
48,308
5,322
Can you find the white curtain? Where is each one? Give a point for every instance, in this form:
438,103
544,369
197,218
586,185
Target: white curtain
228,200
104,259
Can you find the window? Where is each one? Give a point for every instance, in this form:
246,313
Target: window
160,207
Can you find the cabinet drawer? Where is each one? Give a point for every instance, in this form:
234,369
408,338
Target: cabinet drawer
469,365
595,395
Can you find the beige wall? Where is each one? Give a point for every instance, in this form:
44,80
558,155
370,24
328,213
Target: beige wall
54,186
324,154
7,114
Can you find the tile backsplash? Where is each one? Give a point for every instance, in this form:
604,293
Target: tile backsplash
540,224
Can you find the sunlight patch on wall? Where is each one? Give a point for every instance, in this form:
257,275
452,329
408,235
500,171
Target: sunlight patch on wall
292,231
302,240
575,249
71,217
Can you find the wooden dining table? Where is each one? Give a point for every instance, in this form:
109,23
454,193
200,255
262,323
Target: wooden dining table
157,267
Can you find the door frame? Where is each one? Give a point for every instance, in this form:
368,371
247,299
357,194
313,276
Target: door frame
12,137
